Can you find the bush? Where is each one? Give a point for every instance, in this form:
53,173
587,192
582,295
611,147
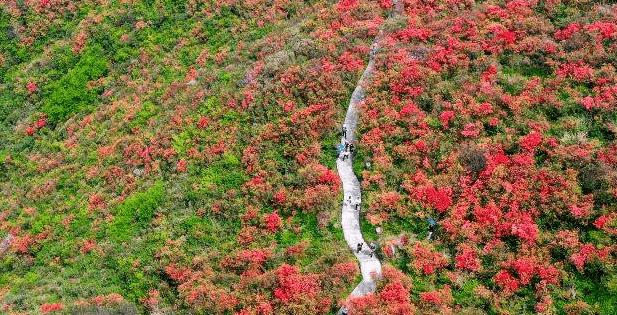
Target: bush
135,213
71,93
473,160
593,178
121,309
277,61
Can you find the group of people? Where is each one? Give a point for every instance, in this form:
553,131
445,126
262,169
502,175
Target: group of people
357,201
349,147
372,247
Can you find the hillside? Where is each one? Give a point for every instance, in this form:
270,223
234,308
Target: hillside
179,156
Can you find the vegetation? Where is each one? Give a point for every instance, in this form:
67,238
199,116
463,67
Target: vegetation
173,156
178,156
503,135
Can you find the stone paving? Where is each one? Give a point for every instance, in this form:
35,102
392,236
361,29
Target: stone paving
369,264
351,188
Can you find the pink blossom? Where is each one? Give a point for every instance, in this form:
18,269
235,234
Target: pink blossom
531,141
445,118
471,130
588,102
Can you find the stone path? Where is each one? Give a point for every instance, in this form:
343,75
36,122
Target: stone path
351,188
369,264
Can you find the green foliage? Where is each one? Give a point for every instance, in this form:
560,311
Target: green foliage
224,174
71,93
465,295
135,213
532,66
594,287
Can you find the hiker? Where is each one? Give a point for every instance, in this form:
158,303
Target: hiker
359,247
346,146
349,200
345,155
374,50
372,247
431,228
357,202
344,131
351,148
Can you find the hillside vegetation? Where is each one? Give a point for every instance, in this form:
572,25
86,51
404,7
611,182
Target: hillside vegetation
178,156
164,156
498,120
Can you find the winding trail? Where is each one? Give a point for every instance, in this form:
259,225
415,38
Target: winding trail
351,191
369,264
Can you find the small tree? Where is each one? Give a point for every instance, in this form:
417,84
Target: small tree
472,159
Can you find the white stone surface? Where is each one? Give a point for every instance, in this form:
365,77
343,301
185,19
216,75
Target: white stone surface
351,187
369,264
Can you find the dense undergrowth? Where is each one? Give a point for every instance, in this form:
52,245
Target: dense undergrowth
174,156
496,118
178,156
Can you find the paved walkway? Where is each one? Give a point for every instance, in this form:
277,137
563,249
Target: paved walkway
369,264
352,195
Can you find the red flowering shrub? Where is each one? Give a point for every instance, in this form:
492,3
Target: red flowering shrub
31,87
467,258
181,166
531,141
203,122
280,197
41,123
346,5
426,259
525,268
350,63
568,31
471,130
439,198
605,30
96,202
273,222
506,281
439,297
445,118
294,287
48,308
392,296
508,36
88,246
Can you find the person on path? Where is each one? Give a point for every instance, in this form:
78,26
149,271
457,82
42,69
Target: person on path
359,247
344,131
357,202
346,146
339,148
345,155
349,200
372,247
351,148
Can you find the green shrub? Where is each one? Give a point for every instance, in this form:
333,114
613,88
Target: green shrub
71,94
135,213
